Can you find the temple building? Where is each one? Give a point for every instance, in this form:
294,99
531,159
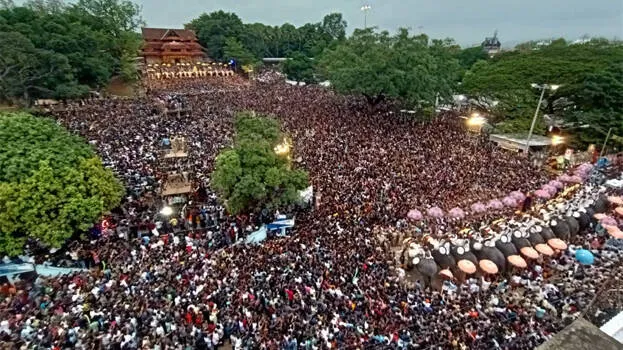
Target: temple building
171,46
492,45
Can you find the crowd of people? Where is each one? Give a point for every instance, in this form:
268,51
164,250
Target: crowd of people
182,283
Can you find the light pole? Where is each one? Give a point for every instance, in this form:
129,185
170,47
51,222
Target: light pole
365,9
543,87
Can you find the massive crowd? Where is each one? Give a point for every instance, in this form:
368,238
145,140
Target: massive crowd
331,285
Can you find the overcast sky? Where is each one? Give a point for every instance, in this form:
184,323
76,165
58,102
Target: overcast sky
467,21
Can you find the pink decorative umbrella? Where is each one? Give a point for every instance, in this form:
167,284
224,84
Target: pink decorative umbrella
576,179
435,212
608,221
509,201
549,189
478,207
414,215
565,178
518,195
456,213
542,194
495,204
557,184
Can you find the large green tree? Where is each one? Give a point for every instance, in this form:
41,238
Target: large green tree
404,67
507,79
252,176
214,29
66,50
299,67
52,185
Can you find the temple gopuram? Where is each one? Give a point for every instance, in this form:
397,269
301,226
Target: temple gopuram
171,46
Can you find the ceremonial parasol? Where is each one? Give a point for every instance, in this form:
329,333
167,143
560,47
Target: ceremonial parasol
466,266
478,207
509,250
549,189
619,210
615,232
488,266
435,212
495,204
608,221
584,257
509,201
457,213
446,274
523,245
560,228
600,216
542,194
518,196
414,215
557,243
615,200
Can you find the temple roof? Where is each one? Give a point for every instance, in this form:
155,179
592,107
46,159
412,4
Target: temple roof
163,33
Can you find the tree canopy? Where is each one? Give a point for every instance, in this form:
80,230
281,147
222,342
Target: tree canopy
408,68
52,50
219,30
299,67
588,74
52,185
256,174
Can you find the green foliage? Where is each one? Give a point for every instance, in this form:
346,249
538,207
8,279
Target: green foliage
299,67
334,26
404,67
234,50
588,73
251,176
215,30
58,51
51,183
469,56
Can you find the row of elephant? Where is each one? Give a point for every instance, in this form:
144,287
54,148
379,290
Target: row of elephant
509,248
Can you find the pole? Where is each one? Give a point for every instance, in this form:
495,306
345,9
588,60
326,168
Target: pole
536,114
365,19
603,148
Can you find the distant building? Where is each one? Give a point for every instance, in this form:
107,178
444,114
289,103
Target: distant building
492,45
161,45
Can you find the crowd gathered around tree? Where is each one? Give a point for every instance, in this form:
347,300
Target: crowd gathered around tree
188,281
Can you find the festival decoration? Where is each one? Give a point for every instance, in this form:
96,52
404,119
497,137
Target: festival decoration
495,204
415,215
557,184
608,221
576,179
584,257
488,266
518,196
615,232
549,189
467,266
542,194
478,207
435,212
509,201
565,178
457,213
615,200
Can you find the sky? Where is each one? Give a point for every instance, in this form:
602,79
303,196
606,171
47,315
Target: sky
467,21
